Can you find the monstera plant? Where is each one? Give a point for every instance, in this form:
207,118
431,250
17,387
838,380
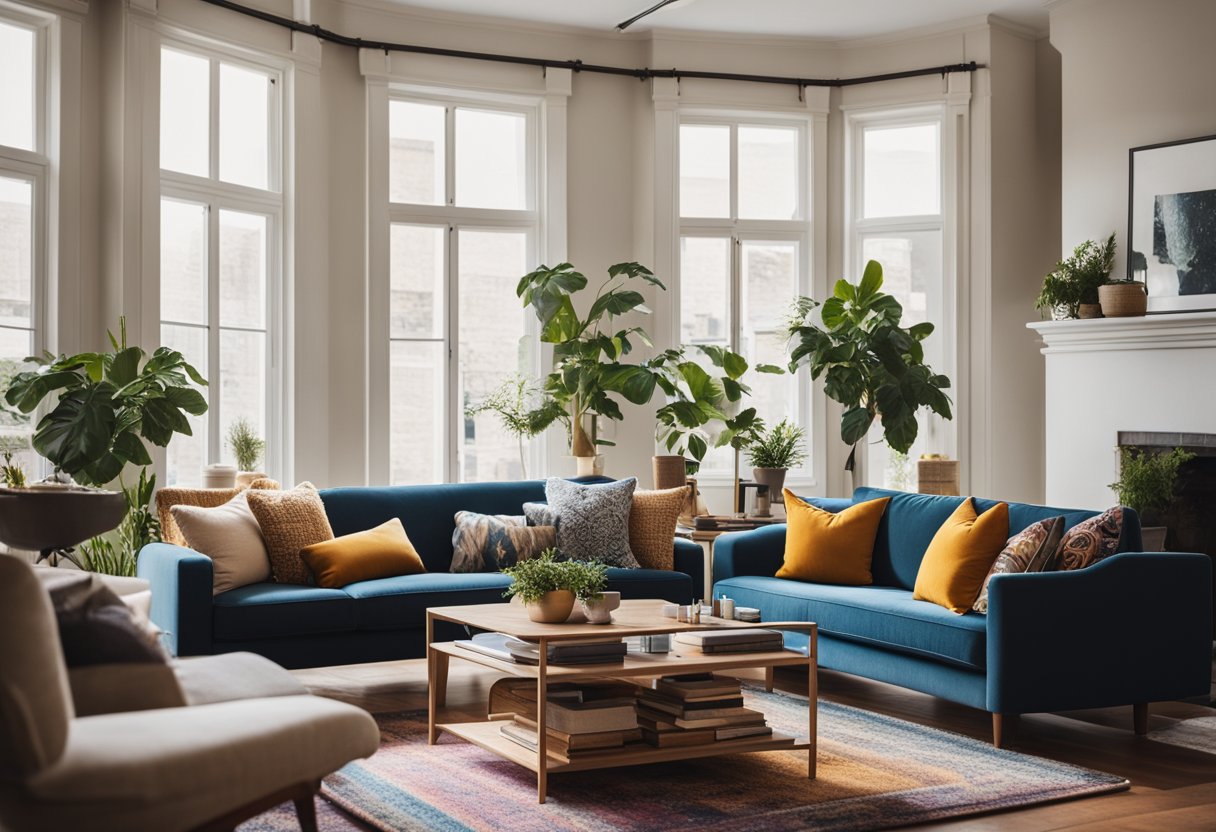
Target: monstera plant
870,364
106,404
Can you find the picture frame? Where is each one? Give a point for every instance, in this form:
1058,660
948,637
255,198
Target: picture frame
1171,223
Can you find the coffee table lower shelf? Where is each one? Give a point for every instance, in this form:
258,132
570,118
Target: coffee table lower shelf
486,735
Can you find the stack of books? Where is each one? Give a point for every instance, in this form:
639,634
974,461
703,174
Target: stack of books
696,709
754,640
580,724
750,614
509,648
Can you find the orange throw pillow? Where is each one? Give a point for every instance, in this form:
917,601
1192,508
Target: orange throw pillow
952,572
826,548
382,552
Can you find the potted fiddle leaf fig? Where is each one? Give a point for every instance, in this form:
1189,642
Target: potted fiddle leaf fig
871,365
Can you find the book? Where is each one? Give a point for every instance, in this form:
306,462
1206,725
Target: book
518,696
561,742
698,687
490,644
744,647
696,710
571,653
717,638
738,731
590,718
746,717
678,739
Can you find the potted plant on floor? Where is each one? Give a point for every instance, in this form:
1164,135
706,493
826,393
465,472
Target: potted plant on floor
870,364
548,587
1148,483
1071,289
772,453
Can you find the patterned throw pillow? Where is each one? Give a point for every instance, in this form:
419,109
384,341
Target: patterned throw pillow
492,542
1030,550
1090,541
290,520
539,514
652,526
593,520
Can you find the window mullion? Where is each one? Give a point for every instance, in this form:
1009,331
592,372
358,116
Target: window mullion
213,331
213,130
452,419
449,138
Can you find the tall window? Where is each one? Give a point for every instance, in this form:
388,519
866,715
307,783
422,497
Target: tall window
744,251
464,229
221,243
897,219
23,176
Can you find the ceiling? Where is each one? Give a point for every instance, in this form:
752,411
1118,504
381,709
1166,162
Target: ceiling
831,19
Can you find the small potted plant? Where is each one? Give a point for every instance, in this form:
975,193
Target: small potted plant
1147,483
548,587
248,448
773,452
1127,298
1071,289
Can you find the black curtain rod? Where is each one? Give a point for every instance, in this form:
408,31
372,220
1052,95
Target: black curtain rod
579,66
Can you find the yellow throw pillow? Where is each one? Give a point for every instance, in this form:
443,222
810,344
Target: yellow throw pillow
952,572
826,548
652,526
381,552
290,520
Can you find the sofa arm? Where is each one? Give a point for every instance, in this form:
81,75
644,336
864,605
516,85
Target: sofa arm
181,582
1134,628
690,559
757,552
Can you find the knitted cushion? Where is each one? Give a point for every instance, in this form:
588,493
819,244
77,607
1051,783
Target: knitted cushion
652,526
167,498
290,520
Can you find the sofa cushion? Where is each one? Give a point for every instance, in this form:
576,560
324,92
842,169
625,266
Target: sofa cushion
961,553
593,520
830,547
885,617
275,610
1089,542
381,552
402,602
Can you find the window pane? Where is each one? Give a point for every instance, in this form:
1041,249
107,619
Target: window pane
705,290
183,261
416,153
768,173
704,170
416,411
17,111
186,455
493,346
416,264
244,126
16,252
242,384
243,269
770,283
491,159
185,113
901,170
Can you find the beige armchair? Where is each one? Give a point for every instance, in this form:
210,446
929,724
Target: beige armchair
200,754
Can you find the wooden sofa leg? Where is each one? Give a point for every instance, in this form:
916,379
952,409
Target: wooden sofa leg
1003,727
1140,718
306,808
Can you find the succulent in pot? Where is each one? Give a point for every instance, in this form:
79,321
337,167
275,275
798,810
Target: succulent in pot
549,586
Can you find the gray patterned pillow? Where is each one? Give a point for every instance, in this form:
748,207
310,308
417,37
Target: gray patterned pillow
593,520
492,542
539,514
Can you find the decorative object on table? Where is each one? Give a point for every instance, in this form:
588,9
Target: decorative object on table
870,364
523,410
773,452
1090,541
592,520
598,608
1031,550
247,448
1148,483
959,557
652,526
694,504
1073,284
548,587
12,473
491,542
1123,299
747,499
1171,223
219,475
730,522
290,520
937,474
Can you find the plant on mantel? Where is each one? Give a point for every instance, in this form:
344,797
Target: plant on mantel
1075,280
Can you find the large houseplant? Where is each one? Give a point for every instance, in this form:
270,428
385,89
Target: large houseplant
870,364
1073,283
1148,483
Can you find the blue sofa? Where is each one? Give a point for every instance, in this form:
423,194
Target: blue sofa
308,626
1132,629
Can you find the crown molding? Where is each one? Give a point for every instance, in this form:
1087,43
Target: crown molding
1186,330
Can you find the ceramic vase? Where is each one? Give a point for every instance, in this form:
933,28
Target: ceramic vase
600,611
553,608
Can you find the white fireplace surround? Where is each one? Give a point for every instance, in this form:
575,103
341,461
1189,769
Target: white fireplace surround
1156,373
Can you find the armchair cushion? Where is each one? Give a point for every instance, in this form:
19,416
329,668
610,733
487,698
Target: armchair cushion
117,688
95,626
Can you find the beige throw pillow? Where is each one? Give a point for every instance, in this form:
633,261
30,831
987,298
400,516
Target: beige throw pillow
652,526
290,520
230,536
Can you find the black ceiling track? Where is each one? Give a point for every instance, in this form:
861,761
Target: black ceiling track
579,66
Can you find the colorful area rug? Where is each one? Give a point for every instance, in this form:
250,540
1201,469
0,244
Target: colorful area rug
875,772
1198,733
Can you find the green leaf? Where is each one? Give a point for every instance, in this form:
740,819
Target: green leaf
616,302
697,448
636,384
77,432
921,331
124,366
187,399
102,471
699,382
161,420
772,369
28,389
734,364
854,424
871,282
844,290
833,312
130,448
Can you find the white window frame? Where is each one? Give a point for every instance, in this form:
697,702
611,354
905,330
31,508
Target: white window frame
217,195
940,435
456,219
799,229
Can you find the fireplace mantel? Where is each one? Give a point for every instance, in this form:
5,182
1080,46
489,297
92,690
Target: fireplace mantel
1152,332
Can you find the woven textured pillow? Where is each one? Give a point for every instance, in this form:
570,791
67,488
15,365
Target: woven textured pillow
593,520
1030,550
167,498
652,526
492,542
1090,541
230,536
382,552
290,520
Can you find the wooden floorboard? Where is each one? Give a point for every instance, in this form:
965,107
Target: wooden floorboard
1173,788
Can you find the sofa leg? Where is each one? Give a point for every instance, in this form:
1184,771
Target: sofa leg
1002,726
306,810
1140,718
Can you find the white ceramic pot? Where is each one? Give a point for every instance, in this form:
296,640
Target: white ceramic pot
589,466
600,611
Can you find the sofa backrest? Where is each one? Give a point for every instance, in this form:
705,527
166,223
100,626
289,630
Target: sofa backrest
911,520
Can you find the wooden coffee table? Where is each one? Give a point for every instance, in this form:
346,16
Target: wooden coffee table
633,618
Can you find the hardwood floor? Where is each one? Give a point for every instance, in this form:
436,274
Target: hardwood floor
1173,788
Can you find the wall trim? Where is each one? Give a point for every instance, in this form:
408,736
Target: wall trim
1187,330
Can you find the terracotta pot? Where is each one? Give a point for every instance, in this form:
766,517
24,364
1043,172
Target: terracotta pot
600,612
1089,310
774,478
1127,299
670,471
553,608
